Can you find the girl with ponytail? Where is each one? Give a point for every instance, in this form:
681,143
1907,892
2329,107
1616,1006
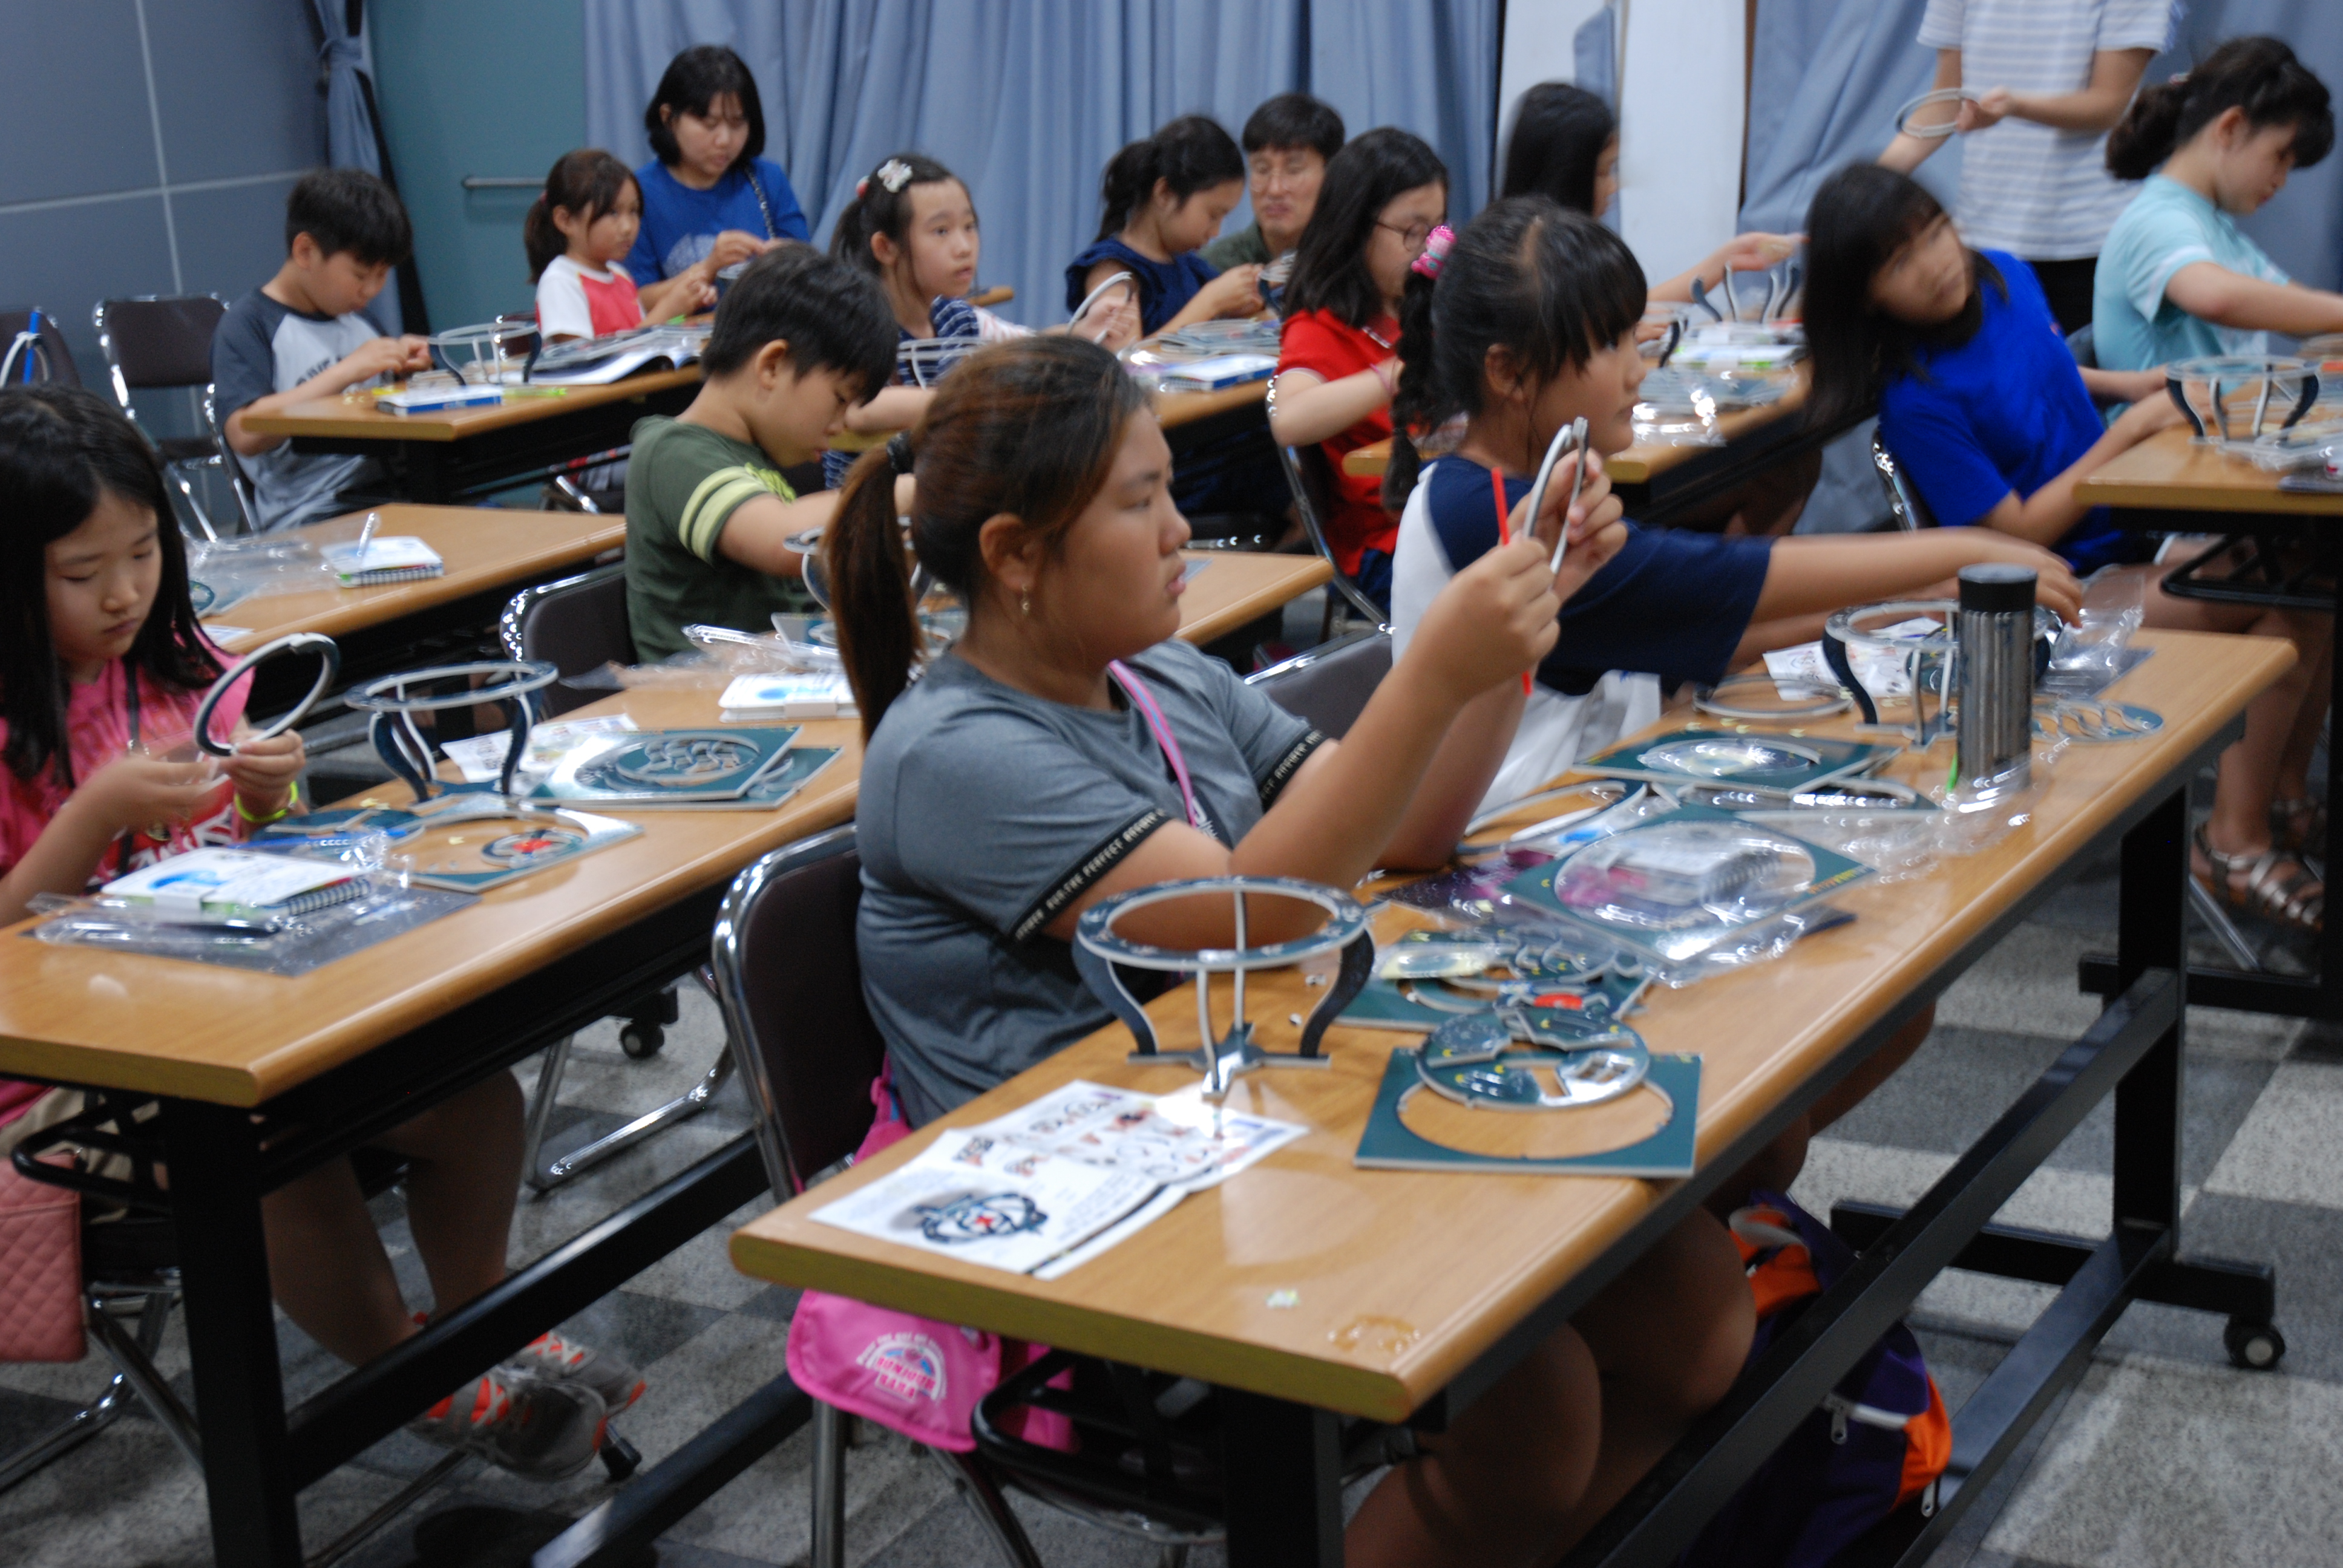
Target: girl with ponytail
1068,747
1160,198
2178,278
1383,198
584,220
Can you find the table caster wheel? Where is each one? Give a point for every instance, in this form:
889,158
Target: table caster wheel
620,1457
640,1040
2256,1347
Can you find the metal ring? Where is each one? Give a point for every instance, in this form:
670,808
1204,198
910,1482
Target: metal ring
1095,929
1941,96
387,694
329,666
1836,699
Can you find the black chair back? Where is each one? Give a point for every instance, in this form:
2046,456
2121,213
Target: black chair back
578,624
790,984
1329,686
53,361
1904,506
1310,479
159,342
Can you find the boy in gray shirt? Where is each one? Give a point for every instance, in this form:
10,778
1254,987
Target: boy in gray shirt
299,336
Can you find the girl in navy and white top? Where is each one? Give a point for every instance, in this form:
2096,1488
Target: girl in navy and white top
1162,198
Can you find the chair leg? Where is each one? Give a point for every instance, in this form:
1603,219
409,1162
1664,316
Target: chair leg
135,1362
540,1112
829,1487
682,1108
203,518
982,1493
2225,929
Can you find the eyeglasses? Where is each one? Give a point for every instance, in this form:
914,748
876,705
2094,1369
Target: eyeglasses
1413,236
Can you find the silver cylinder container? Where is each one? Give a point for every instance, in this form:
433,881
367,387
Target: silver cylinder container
1996,638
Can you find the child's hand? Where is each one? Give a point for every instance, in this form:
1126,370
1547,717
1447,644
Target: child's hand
264,771
1236,292
734,244
378,357
417,350
136,791
1112,321
1594,510
1494,619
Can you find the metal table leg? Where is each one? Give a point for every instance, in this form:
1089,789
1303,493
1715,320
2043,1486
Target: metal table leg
1285,1479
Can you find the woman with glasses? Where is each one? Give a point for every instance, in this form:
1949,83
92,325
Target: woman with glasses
1383,195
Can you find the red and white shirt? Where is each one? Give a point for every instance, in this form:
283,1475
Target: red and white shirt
574,301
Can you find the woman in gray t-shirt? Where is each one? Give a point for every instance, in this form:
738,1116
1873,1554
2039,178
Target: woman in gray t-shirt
1014,785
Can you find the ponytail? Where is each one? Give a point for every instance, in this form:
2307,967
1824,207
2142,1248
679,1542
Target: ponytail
1413,401
1190,153
2261,76
1027,429
587,183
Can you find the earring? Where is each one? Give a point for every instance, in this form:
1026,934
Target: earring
1025,604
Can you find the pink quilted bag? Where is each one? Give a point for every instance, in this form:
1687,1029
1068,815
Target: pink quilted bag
908,1374
40,1270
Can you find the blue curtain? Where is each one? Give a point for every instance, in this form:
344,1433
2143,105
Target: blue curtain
1850,65
1027,99
354,141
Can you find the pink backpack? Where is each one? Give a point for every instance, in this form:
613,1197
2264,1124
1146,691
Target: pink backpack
908,1374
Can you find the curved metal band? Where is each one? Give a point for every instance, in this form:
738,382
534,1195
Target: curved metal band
400,743
1837,701
329,667
1940,95
1095,930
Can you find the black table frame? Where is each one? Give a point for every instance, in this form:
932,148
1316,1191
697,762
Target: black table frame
1283,1461
449,472
2319,996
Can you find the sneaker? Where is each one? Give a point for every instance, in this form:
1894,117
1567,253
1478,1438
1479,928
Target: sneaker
535,1428
567,1362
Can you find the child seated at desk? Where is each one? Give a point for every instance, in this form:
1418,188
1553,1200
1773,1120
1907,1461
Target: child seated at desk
100,673
1019,782
300,336
799,339
2178,278
1336,366
912,226
1983,404
584,220
708,196
1160,198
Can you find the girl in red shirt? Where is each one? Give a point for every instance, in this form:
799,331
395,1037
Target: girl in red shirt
1383,195
585,220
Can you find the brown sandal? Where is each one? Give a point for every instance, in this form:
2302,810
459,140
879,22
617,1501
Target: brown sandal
2274,884
2300,824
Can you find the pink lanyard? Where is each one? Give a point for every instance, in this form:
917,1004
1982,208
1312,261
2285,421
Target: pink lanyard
1151,711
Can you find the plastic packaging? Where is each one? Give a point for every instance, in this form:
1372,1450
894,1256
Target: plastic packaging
252,566
278,945
2092,652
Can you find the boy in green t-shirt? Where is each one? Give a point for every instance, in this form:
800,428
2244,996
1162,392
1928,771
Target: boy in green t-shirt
799,339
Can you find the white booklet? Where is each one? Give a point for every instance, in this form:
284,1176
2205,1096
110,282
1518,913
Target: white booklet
819,695
1051,1185
233,884
392,558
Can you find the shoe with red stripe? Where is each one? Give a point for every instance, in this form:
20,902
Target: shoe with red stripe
527,1425
565,1362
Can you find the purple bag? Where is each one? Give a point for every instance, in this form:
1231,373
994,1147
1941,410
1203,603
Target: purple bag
1880,1439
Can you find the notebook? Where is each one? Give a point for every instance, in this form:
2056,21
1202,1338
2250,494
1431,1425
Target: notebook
389,559
218,884
825,694
1219,371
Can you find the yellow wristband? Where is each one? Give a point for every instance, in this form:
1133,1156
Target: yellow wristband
292,798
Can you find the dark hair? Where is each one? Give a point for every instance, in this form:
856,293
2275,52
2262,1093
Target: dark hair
2260,75
833,314
1029,428
1861,217
59,445
1552,287
586,182
348,210
1330,265
1190,154
877,210
1293,120
694,80
1559,134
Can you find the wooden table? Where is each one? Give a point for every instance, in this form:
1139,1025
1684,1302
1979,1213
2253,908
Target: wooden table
2170,484
329,1059
1414,1292
455,453
1172,411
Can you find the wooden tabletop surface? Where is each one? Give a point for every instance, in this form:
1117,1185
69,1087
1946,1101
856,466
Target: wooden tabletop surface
1638,463
1172,410
2170,470
1391,1296
354,416
483,547
168,1027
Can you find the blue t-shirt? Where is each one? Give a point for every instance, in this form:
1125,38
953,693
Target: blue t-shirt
2166,227
1670,603
680,224
2005,411
1165,288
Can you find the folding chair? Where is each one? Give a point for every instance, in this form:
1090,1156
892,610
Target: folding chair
161,343
1330,684
31,358
1311,480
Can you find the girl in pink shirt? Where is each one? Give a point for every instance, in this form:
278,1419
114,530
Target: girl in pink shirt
575,232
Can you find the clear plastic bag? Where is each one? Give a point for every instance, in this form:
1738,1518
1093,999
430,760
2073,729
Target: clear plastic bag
279,944
225,572
2091,653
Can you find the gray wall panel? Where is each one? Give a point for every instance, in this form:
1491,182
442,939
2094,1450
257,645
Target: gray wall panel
77,101
237,81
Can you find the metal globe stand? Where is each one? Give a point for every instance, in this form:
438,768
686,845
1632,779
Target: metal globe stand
329,667
401,744
1100,953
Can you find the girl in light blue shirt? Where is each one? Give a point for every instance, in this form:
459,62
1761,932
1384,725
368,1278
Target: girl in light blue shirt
2178,278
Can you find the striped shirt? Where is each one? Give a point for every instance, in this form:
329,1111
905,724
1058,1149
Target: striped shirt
684,482
2034,191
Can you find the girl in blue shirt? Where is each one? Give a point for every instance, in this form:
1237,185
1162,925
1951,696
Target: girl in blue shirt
1161,197
709,199
1984,406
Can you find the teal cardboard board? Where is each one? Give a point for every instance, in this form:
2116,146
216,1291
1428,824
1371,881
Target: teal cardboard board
1804,759
667,766
1390,1144
1383,1005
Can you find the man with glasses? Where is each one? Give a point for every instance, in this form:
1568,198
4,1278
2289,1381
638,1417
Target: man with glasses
1287,144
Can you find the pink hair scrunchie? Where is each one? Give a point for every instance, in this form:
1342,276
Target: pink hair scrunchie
1436,252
